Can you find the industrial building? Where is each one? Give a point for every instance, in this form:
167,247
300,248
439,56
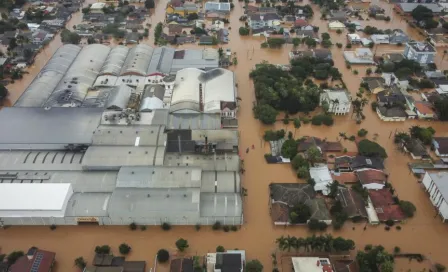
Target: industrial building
115,155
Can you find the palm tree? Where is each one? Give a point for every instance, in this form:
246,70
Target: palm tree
296,125
300,243
281,241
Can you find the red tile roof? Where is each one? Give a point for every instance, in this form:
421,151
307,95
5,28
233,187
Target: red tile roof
371,176
424,108
385,206
345,177
300,22
279,213
41,259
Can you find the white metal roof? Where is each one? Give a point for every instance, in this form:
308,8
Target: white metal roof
33,196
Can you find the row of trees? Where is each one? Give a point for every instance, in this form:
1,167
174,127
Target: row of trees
322,243
70,37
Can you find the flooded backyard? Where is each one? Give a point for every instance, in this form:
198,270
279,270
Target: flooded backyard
423,234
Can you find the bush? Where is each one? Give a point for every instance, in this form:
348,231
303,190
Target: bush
163,255
220,249
53,227
166,226
398,227
349,45
390,222
244,31
439,267
408,208
320,119
133,226
371,149
104,249
226,228
197,227
397,250
362,132
143,228
182,244
374,105
234,228
339,45
124,249
352,138
80,263
289,149
368,247
217,225
314,224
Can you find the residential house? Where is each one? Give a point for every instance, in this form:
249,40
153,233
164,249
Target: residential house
41,36
440,145
322,178
361,162
391,114
398,37
264,31
260,20
324,146
35,260
359,56
371,179
219,7
322,53
409,7
352,202
374,84
424,110
337,15
391,98
385,206
439,41
417,150
335,25
380,38
435,74
354,38
285,196
231,260
423,53
182,9
289,20
132,38
393,57
436,184
339,101
311,264
97,7
181,265
306,34
223,35
299,23
175,29
206,40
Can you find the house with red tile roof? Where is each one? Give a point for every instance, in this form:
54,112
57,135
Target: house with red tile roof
36,260
424,110
371,179
384,205
300,23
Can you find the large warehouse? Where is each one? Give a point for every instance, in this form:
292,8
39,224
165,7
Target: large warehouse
115,155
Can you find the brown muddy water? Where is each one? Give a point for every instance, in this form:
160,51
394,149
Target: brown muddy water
423,234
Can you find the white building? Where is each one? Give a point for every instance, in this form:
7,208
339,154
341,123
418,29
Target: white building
32,202
97,7
436,184
322,178
339,101
380,39
311,264
336,25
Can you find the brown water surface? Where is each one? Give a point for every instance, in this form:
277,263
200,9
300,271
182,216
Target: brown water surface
423,234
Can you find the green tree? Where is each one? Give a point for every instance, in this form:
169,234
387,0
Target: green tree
149,4
441,105
371,149
124,249
408,208
300,214
362,132
423,134
254,266
334,187
296,125
295,42
325,36
14,256
311,43
244,31
70,37
163,255
80,263
313,155
3,92
182,244
299,161
289,148
158,32
265,113
421,13
220,249
104,249
192,16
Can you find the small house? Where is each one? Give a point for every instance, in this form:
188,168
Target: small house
335,25
440,145
423,53
391,114
424,110
371,179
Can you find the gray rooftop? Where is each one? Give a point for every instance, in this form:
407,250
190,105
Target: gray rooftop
194,121
40,128
440,179
227,162
220,182
129,135
88,204
221,205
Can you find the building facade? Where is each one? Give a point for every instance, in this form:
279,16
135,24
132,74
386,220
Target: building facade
436,184
423,53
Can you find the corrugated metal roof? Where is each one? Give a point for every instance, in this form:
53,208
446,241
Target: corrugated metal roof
221,204
194,121
138,60
115,61
129,135
205,162
119,97
88,204
161,60
152,98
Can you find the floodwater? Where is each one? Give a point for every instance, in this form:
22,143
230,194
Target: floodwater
423,234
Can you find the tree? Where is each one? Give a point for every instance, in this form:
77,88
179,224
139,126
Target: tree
12,44
423,134
313,155
296,125
339,31
325,36
220,249
14,256
362,132
326,43
341,244
310,42
192,16
334,186
70,37
441,105
163,255
124,249
371,149
408,208
3,92
295,42
300,214
182,244
104,249
244,31
80,263
158,32
149,4
289,148
421,13
254,266
299,161
91,40
265,113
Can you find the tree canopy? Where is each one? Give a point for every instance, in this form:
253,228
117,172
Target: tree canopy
441,105
149,4
289,148
300,214
163,255
408,208
265,113
70,37
3,92
371,149
423,134
182,244
421,13
373,258
244,31
322,243
254,266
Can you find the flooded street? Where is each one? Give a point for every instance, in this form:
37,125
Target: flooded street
423,234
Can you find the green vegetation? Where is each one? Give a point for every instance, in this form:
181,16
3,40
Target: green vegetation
314,224
220,249
254,266
375,258
322,243
114,30
124,249
271,135
70,37
104,249
371,149
132,226
265,113
300,214
163,255
362,132
182,244
217,225
244,31
80,263
402,69
158,33
166,226
424,17
289,149
441,106
339,216
14,256
408,208
423,134
313,155
440,267
276,42
320,119
149,4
